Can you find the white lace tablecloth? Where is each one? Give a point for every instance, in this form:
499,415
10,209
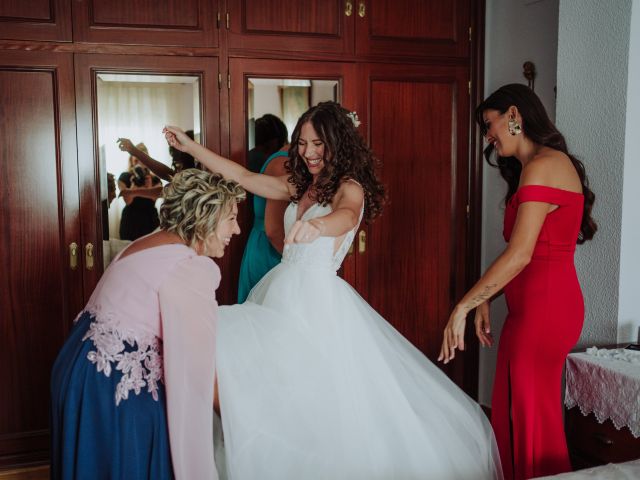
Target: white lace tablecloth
606,382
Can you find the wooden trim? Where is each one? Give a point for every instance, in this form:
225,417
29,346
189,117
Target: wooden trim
55,28
474,219
81,47
111,49
86,67
204,33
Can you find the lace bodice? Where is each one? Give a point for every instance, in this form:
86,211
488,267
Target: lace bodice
320,253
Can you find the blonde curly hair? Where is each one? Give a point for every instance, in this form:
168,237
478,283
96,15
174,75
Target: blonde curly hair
194,203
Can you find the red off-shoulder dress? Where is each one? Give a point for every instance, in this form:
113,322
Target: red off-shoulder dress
546,313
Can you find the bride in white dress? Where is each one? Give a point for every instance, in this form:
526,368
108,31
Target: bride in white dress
314,383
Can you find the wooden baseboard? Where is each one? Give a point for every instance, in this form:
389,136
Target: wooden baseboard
26,473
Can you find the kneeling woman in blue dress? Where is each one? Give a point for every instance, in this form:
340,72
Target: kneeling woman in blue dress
132,388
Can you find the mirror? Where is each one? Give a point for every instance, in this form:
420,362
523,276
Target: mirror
136,107
274,106
285,98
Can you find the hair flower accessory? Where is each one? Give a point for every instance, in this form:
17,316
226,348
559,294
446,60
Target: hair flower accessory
353,116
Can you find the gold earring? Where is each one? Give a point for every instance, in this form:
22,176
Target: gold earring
514,127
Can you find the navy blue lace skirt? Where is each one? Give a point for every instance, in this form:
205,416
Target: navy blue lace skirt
91,436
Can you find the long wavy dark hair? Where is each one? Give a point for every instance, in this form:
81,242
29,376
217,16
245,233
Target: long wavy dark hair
346,156
537,126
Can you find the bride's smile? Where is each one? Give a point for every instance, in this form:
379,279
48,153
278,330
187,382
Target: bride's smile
311,149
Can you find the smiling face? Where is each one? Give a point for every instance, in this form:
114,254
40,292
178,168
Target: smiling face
497,131
216,242
311,149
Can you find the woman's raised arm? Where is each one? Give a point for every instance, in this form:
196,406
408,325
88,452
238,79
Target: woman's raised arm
274,188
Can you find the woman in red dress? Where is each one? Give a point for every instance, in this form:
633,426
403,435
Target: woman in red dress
548,211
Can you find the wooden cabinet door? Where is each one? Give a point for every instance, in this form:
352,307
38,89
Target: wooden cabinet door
291,25
413,269
87,66
36,20
241,70
170,22
39,293
418,28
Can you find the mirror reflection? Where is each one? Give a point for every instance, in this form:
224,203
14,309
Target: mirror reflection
135,161
274,106
284,98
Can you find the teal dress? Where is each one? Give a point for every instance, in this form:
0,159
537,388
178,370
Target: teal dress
259,255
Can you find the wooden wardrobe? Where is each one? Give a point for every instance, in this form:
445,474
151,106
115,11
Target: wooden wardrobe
410,68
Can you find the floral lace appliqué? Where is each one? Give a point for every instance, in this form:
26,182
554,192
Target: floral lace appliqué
141,367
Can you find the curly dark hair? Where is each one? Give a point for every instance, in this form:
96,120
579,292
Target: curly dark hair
346,156
537,126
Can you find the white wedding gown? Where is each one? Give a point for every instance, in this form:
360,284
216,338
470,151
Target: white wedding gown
314,384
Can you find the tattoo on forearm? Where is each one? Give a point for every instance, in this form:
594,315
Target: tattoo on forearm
482,297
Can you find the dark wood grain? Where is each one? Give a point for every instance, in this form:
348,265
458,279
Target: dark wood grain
147,22
415,262
593,443
39,294
290,25
414,27
289,17
34,10
35,20
473,253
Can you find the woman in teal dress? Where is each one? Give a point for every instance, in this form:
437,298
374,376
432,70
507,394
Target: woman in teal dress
260,253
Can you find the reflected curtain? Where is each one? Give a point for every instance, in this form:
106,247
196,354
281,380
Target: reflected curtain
138,111
295,101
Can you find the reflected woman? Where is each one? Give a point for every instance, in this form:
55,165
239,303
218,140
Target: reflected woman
263,250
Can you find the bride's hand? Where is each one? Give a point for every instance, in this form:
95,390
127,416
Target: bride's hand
453,335
177,138
305,231
483,324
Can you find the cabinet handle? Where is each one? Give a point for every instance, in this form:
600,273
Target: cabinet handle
362,241
362,9
88,256
603,439
348,8
73,255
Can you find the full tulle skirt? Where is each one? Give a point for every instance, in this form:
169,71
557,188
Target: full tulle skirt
315,384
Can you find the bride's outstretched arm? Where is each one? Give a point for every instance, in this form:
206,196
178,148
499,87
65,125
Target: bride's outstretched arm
274,188
344,217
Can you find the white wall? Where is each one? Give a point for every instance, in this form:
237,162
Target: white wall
593,48
628,312
515,31
598,55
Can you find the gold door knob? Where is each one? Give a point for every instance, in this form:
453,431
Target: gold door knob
362,9
348,8
73,255
88,256
362,241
